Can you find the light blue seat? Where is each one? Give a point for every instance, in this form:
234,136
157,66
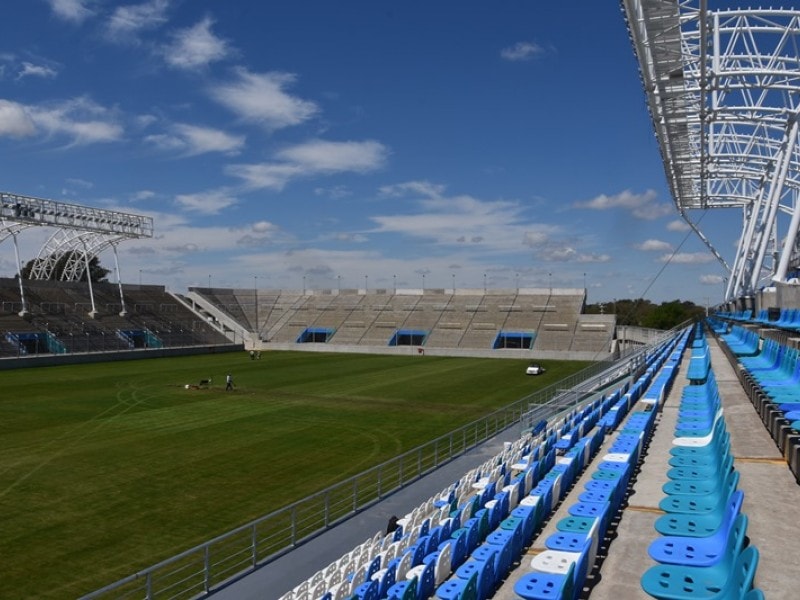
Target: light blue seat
698,552
719,582
693,525
697,487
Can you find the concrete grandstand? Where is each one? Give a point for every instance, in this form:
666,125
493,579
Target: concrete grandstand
541,323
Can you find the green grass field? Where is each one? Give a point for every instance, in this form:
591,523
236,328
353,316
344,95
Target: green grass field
108,468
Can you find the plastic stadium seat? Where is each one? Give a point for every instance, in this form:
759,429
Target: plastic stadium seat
698,525
722,581
546,586
698,552
456,588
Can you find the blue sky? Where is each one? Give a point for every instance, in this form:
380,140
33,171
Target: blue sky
351,143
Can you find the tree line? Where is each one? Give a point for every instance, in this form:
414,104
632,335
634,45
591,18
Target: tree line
644,313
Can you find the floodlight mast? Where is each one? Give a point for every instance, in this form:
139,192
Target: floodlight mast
723,90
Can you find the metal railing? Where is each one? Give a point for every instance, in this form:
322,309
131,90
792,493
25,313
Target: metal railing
207,567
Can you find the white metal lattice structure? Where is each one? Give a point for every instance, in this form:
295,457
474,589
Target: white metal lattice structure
723,88
82,232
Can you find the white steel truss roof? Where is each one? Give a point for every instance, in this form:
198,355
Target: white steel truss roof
723,88
82,232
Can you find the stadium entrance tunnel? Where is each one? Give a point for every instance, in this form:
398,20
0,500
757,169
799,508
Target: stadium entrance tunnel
409,337
319,335
35,343
514,339
139,338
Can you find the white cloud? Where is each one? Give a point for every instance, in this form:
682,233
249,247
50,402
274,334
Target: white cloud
32,70
81,119
422,188
654,246
593,258
15,121
196,47
142,195
317,157
82,183
522,51
208,203
76,11
711,279
642,206
688,258
458,220
320,156
261,98
192,140
355,238
129,20
265,175
678,225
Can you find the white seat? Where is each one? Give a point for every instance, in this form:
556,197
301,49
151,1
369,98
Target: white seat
617,457
318,589
554,561
442,569
403,566
513,495
340,591
530,500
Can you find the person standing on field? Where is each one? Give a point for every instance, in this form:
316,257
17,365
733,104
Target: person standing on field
228,382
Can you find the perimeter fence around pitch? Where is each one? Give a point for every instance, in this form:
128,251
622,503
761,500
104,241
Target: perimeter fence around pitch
208,566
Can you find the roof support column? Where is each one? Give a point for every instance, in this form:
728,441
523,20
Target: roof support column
24,310
775,191
93,312
122,312
791,234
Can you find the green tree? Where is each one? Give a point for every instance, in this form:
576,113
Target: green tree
99,273
643,313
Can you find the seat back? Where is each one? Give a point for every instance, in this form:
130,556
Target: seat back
443,566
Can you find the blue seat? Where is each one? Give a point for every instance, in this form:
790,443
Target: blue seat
416,588
723,580
546,586
484,570
404,590
367,591
698,504
699,487
457,588
698,525
386,578
458,550
695,551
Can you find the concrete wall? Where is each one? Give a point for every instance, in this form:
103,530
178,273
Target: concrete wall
415,351
51,360
787,295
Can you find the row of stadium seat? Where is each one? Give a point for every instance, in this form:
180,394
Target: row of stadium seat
560,572
703,551
771,379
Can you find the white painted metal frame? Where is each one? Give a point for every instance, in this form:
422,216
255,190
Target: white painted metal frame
82,232
723,88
